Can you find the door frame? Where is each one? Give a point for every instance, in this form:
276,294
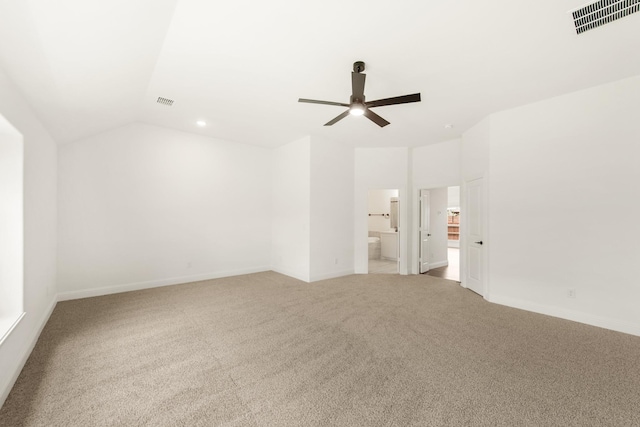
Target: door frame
415,222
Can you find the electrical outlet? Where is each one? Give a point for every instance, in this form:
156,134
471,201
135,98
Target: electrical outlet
571,293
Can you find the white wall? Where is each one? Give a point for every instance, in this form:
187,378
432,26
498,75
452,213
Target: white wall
39,233
377,168
291,192
564,205
438,242
331,214
437,165
144,206
453,199
379,202
475,152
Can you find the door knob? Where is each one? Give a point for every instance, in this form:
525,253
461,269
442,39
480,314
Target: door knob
479,243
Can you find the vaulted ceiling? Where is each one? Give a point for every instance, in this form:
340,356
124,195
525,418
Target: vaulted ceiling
88,66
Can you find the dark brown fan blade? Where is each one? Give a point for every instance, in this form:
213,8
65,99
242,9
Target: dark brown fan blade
395,100
375,118
337,119
357,85
314,101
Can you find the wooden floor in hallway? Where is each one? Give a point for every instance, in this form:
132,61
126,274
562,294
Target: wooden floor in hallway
451,271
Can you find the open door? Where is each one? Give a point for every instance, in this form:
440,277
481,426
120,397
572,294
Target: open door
424,231
474,235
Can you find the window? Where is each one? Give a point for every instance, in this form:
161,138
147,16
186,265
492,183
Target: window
11,227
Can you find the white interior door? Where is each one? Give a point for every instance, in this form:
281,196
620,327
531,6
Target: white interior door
425,232
474,211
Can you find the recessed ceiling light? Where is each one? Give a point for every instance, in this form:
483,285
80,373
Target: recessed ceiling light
201,123
448,126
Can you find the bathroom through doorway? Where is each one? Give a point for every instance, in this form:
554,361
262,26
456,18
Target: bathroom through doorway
383,231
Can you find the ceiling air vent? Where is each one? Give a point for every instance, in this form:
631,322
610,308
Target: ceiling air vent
602,12
169,102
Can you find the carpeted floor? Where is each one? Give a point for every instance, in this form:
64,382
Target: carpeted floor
367,350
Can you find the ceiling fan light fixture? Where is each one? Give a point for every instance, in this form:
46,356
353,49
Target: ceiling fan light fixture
356,110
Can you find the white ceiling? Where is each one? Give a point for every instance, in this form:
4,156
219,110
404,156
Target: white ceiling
88,66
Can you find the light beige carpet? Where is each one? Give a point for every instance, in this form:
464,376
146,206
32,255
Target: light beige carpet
268,350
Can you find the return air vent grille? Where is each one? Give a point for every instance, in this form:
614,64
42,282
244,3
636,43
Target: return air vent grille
169,102
602,12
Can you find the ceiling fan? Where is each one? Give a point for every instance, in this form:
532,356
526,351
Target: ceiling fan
357,104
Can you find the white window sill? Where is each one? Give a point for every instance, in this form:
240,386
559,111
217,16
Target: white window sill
8,324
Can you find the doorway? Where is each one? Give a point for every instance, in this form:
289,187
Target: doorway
383,235
439,232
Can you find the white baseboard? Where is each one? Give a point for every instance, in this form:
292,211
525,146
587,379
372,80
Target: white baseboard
331,275
290,274
5,388
576,316
108,290
438,264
